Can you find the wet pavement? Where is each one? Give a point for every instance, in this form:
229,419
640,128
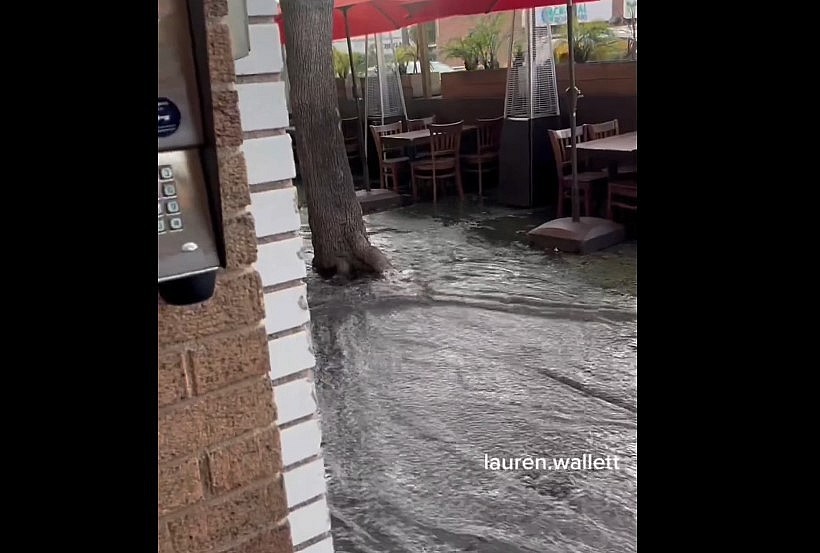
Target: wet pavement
479,345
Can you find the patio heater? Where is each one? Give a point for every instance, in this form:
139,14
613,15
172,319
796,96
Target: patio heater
383,96
530,109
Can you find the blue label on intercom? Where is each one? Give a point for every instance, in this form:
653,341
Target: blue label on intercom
168,117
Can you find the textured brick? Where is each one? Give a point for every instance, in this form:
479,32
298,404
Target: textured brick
227,124
240,241
233,181
164,539
241,463
178,485
171,381
237,302
216,8
228,359
275,540
220,57
217,524
214,418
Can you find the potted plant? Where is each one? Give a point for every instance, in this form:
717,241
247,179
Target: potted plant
594,45
518,56
341,66
483,76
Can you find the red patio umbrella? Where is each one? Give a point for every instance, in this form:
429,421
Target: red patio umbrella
364,17
426,10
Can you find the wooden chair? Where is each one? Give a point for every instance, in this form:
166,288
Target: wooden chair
594,131
617,195
350,132
560,141
421,123
389,161
444,161
488,145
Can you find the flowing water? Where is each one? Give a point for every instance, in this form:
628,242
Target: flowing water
478,347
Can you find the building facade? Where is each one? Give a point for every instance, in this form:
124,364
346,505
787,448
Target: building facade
239,443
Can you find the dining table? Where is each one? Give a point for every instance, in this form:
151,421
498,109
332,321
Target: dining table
410,139
615,149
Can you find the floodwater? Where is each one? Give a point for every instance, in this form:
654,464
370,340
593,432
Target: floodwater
478,347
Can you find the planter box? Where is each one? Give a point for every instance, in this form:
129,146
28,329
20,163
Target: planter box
602,79
469,85
342,87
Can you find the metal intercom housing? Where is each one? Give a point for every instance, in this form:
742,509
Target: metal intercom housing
190,245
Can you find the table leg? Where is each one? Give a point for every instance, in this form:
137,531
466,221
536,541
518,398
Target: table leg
613,170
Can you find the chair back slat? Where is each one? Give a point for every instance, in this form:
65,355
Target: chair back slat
421,123
489,134
594,131
445,139
561,140
384,130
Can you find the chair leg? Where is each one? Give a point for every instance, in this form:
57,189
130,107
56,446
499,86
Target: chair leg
458,181
609,204
413,183
480,181
560,200
435,184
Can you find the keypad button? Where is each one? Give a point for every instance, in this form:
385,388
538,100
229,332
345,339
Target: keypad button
172,206
166,172
159,209
175,223
169,189
160,226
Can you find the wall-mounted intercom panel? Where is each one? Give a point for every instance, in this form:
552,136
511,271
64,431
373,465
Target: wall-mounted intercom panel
186,234
190,245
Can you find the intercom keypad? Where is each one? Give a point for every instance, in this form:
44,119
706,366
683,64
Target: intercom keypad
168,209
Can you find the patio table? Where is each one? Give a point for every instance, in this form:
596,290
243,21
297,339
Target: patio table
615,148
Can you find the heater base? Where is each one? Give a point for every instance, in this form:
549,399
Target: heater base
585,236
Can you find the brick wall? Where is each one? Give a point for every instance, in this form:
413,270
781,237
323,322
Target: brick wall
222,483
269,156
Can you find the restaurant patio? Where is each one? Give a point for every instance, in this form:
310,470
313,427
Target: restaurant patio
450,129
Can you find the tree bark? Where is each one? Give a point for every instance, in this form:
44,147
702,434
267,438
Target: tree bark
340,242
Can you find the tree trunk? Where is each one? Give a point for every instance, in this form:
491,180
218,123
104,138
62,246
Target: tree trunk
340,243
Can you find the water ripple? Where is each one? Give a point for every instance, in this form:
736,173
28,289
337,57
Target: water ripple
478,346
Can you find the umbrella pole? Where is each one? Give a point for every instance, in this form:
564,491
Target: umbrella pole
367,78
573,107
355,89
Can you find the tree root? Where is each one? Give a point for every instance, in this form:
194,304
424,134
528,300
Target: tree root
365,260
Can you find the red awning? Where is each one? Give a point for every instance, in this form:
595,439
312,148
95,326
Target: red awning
426,10
364,17
381,16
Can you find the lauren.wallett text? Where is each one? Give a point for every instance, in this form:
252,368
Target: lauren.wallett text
587,461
